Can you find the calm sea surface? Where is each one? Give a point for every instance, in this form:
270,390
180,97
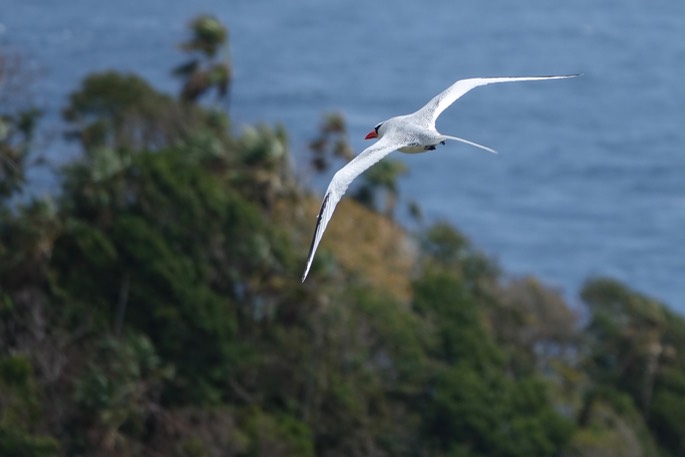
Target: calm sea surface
590,179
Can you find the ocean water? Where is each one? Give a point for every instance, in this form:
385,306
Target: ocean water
590,176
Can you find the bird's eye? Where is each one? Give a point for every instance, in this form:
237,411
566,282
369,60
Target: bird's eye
377,127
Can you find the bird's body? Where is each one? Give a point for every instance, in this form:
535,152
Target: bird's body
410,133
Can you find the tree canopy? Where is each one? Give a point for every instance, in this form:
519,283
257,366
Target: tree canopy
152,306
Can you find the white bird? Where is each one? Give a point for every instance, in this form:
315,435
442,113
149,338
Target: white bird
411,133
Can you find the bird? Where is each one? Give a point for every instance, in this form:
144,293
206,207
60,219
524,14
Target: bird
410,133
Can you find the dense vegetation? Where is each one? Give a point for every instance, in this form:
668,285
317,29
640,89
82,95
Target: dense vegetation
153,306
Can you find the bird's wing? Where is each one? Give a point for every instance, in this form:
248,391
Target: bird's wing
430,112
340,182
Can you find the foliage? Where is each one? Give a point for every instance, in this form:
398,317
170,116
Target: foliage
474,407
117,393
636,346
204,71
153,307
114,114
16,133
331,141
20,410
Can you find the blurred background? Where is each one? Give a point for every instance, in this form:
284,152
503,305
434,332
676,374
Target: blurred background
161,171
589,170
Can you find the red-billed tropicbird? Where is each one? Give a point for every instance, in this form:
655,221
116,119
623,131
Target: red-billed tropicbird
411,133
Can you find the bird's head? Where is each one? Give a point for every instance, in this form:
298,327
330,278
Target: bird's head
377,132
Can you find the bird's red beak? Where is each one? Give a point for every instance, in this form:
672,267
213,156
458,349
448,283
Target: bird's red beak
372,134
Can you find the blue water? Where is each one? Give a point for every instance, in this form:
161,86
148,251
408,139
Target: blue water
589,179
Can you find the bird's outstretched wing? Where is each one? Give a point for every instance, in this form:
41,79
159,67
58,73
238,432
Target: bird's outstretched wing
430,112
340,182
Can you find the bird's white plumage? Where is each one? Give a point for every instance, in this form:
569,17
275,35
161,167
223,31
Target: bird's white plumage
410,133
340,183
432,110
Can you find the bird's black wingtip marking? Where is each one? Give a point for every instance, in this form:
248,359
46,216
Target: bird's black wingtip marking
316,229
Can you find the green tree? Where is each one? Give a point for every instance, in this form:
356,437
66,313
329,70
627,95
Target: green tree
472,406
205,71
113,113
536,326
628,333
117,395
20,410
636,348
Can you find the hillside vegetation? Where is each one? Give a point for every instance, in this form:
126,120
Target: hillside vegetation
153,307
